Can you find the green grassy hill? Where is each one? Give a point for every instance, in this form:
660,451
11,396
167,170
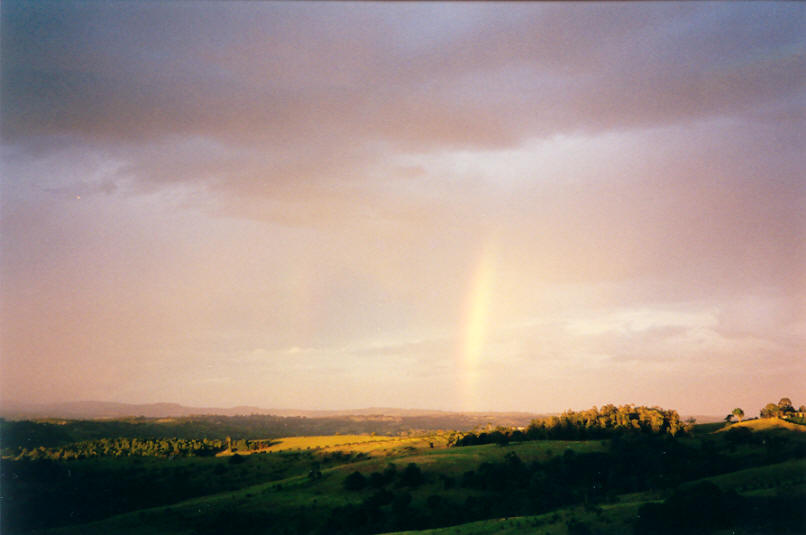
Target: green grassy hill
293,498
380,484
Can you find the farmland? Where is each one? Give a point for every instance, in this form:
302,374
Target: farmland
419,482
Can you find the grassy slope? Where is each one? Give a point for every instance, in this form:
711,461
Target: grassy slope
763,478
765,424
617,518
291,496
613,519
294,496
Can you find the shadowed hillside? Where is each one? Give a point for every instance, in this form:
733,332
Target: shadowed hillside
627,472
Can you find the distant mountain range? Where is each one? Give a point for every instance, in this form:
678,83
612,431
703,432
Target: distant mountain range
107,409
91,410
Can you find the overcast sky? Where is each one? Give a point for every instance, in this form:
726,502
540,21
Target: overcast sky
529,206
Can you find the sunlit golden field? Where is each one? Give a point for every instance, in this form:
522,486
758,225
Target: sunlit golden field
762,424
371,444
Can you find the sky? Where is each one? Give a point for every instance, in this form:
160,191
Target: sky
459,206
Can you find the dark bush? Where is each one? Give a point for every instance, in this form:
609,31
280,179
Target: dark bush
355,481
412,476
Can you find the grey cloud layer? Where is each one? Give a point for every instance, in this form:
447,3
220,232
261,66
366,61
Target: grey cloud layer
280,175
291,113
342,75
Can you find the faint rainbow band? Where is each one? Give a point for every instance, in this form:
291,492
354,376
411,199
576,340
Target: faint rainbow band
476,325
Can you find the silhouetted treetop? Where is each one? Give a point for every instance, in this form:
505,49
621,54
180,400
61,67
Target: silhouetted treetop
591,423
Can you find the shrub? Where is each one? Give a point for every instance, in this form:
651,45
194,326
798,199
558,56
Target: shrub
355,481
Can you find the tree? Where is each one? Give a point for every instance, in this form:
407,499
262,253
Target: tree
729,418
316,471
355,481
770,410
237,459
689,426
412,476
785,405
738,413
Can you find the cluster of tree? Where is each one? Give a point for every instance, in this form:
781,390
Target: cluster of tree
702,507
737,413
632,464
705,508
118,447
254,445
782,409
389,505
411,476
341,457
590,424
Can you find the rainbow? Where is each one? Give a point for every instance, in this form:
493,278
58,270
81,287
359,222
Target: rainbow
476,325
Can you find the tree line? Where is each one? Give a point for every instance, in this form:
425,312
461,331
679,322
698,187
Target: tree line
125,447
593,423
784,409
